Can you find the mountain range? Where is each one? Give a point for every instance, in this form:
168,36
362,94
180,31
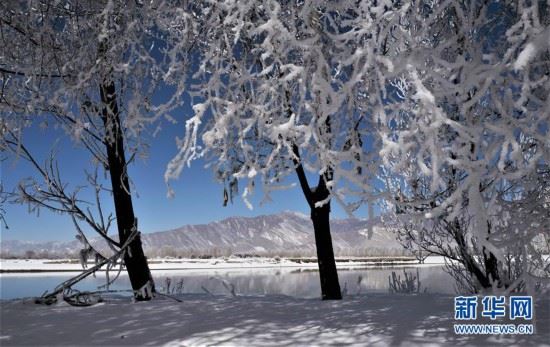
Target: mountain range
285,234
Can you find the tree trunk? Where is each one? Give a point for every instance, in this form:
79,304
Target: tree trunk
491,263
468,260
135,260
320,216
330,286
491,268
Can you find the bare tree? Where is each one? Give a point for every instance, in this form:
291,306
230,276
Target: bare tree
93,68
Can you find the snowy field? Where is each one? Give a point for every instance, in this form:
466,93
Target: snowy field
203,320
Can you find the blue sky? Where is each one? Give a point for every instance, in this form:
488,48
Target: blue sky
198,196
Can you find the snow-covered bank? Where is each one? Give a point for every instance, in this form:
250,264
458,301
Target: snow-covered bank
201,320
28,265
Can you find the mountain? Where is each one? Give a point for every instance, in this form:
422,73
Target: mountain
287,233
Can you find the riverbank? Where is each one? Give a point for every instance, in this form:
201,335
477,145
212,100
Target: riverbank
71,265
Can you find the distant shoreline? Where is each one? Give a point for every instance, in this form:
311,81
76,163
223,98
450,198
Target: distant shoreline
13,266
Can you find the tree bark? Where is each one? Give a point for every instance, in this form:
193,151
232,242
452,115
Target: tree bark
320,216
468,260
491,263
135,260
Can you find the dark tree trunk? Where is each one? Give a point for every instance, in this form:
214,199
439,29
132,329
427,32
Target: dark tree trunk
491,263
491,267
484,278
320,216
134,259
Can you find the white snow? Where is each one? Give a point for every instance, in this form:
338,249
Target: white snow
205,320
422,93
525,56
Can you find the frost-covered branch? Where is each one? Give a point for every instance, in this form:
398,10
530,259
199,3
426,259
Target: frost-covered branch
278,78
52,194
466,136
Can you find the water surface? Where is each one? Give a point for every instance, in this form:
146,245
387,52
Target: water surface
296,282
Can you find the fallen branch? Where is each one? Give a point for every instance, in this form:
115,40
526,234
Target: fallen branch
49,298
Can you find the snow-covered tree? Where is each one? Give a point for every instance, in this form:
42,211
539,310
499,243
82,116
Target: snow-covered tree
285,87
92,68
466,144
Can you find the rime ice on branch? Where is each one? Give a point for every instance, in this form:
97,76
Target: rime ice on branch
466,139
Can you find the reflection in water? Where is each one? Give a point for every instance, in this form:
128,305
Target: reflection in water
303,283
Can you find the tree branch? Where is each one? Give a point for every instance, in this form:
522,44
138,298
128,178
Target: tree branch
302,176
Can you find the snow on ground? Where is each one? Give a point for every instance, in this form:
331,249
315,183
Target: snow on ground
215,263
203,320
